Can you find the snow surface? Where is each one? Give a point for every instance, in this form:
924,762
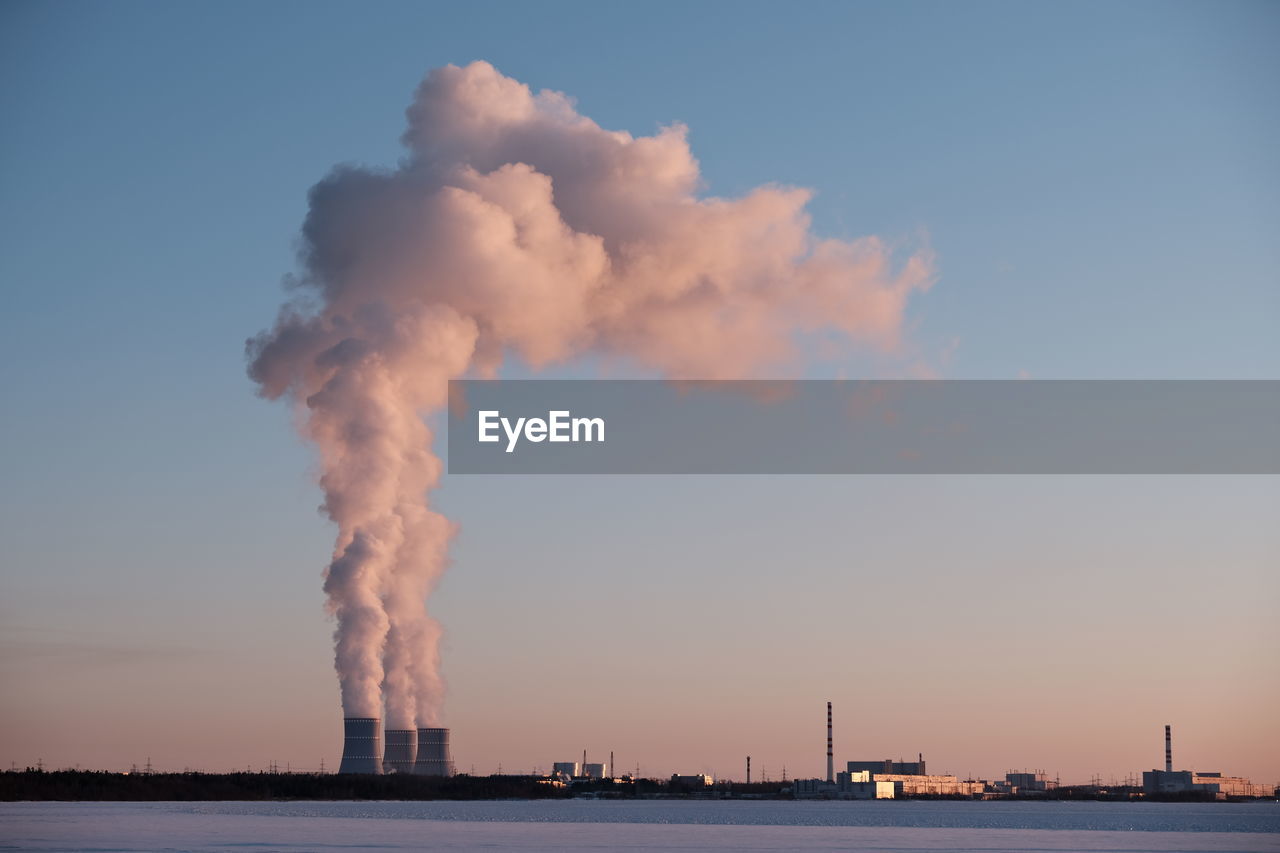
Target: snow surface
902,827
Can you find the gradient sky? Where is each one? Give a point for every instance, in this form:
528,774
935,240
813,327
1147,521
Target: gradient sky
1100,185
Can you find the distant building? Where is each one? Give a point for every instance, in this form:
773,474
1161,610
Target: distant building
911,784
910,778
1214,786
810,788
860,786
901,768
1022,783
565,768
594,771
699,781
848,786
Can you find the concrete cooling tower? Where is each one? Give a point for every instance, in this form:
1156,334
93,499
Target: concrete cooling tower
361,746
433,753
401,751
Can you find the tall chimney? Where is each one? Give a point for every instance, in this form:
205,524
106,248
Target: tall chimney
433,757
1168,749
361,746
831,766
401,750
748,769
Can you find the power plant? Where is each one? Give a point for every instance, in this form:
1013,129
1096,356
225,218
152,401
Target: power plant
1193,784
422,752
361,745
426,752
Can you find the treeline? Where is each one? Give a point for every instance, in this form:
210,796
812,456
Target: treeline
90,785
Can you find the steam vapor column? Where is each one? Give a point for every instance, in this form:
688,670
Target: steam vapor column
362,745
1168,749
401,751
831,776
433,753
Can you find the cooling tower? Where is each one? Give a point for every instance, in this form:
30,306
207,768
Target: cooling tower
433,753
362,746
401,751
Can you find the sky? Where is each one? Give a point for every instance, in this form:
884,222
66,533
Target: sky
1097,182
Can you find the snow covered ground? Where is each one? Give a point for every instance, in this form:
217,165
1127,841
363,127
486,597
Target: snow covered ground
636,826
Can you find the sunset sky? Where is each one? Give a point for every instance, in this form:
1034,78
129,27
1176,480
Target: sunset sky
1097,184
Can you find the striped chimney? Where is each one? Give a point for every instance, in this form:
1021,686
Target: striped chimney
831,775
1168,749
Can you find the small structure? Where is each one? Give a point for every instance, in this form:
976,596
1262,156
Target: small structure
1026,784
696,782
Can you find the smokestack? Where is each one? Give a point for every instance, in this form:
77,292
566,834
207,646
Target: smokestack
433,757
401,750
831,775
1168,749
361,746
748,769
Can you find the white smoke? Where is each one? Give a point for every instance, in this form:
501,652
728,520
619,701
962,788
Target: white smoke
516,227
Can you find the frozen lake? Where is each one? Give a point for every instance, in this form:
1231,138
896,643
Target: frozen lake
900,827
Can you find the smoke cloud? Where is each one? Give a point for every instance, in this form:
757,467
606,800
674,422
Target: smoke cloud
517,228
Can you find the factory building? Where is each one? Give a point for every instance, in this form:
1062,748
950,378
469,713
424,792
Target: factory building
700,780
576,770
1179,783
848,786
1026,783
909,778
915,785
1214,786
900,768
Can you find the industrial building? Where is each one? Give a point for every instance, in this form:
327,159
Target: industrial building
910,779
1212,786
574,770
1189,783
917,785
848,786
901,768
1026,783
700,780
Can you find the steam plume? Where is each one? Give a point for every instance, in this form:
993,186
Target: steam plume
516,227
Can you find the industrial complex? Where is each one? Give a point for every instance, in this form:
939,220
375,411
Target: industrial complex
422,752
367,749
1196,784
888,779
